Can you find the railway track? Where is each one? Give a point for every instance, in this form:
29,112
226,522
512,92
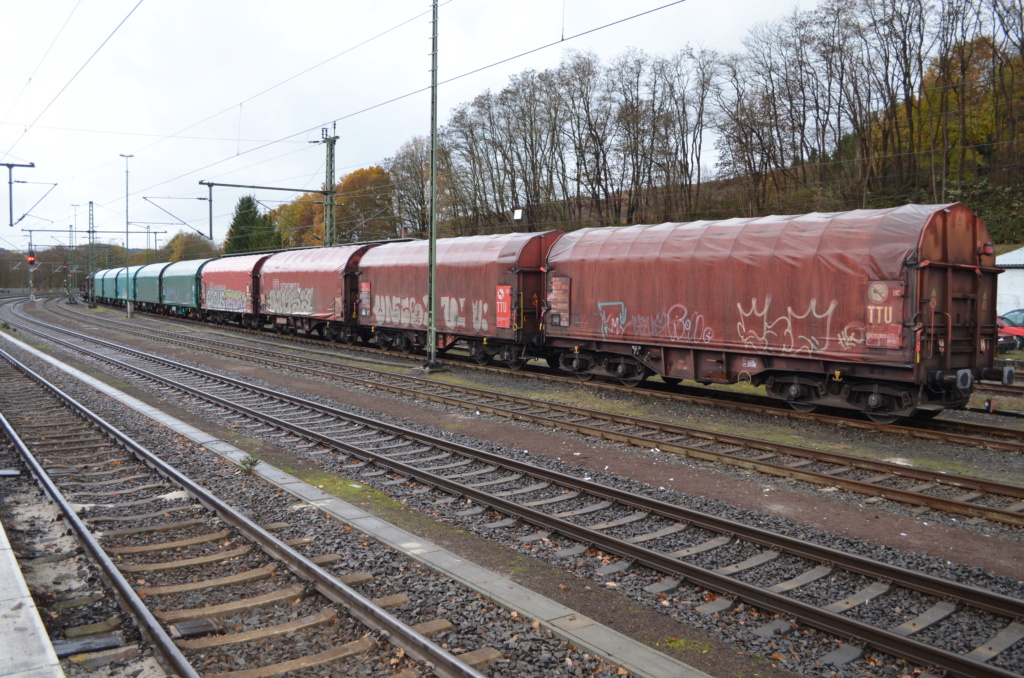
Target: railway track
952,493
959,432
1014,391
199,568
821,587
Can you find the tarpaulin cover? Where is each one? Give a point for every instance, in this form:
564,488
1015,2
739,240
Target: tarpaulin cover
181,283
121,280
309,282
103,283
147,283
393,280
784,284
227,283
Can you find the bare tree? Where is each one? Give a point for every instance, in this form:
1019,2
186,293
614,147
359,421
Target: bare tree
409,170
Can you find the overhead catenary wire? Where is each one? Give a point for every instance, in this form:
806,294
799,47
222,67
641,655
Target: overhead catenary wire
38,65
418,91
380,104
68,83
287,80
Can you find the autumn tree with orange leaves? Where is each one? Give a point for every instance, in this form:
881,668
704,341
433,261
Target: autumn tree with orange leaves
365,209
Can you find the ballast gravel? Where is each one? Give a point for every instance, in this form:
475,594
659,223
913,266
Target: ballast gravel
799,648
478,623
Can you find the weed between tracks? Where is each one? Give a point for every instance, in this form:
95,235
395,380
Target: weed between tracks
685,645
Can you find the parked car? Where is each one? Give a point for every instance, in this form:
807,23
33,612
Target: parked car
1013,329
1007,342
1016,317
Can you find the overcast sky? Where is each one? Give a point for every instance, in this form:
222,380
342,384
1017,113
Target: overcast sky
182,86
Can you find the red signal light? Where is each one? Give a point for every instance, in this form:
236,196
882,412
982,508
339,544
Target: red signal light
31,259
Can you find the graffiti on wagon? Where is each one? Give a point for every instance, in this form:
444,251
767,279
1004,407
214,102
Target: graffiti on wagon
677,323
457,313
220,298
290,298
804,331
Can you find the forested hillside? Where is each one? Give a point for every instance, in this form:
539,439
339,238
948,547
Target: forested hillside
854,103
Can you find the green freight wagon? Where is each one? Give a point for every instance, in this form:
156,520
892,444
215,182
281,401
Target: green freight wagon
180,286
147,286
103,284
124,284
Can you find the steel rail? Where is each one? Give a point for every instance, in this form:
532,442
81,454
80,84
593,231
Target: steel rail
129,600
907,496
1015,390
415,644
832,622
835,623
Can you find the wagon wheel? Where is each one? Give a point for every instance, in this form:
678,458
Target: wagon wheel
517,363
632,382
351,337
513,357
584,376
880,418
403,344
478,353
802,406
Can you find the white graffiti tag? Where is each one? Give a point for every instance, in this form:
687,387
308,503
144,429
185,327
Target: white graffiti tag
791,332
291,299
851,336
401,311
411,312
453,312
676,324
222,299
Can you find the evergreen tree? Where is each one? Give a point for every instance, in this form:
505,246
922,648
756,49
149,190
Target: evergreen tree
250,231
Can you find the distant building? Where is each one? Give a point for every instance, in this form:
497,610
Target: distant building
1011,283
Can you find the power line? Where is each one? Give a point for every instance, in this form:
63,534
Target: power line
141,134
381,104
68,84
418,91
41,60
286,81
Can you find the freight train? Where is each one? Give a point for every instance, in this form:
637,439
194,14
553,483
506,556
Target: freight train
889,312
